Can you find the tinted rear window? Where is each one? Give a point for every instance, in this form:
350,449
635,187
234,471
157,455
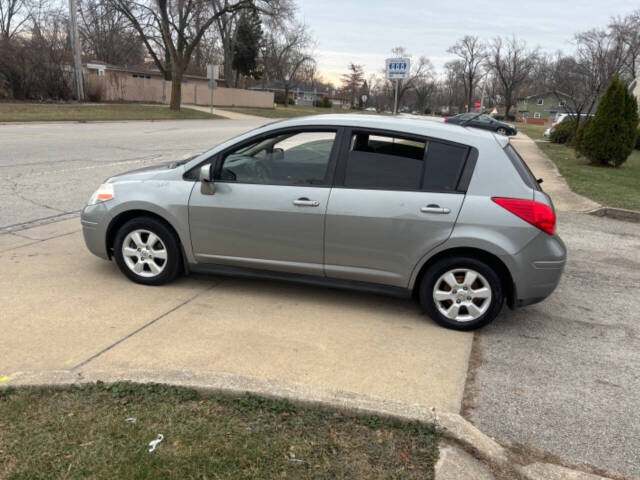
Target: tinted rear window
384,162
444,166
523,170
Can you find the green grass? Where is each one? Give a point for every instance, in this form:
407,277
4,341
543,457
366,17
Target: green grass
533,131
31,112
292,111
81,432
613,187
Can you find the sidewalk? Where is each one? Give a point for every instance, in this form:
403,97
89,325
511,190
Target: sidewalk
230,114
564,199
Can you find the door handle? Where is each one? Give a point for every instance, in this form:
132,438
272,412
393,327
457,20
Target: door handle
435,209
305,202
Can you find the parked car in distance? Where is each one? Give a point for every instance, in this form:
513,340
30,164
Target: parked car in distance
451,216
485,122
561,117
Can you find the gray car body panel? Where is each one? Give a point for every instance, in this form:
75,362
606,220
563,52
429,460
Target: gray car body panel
274,235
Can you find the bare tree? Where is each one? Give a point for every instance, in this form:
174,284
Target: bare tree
287,56
472,53
453,85
107,35
627,32
423,90
32,65
13,17
172,29
580,80
511,63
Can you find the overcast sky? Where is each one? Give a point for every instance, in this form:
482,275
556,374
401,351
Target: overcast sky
364,31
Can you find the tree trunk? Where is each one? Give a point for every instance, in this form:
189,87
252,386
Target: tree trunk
227,48
507,108
176,88
286,96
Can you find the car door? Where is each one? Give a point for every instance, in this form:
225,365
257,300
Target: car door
395,198
269,202
485,122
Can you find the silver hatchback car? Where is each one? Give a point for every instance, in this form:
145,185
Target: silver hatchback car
447,214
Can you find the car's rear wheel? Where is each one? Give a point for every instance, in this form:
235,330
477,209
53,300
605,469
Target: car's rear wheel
147,251
461,293
501,131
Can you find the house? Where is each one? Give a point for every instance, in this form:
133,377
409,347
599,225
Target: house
541,108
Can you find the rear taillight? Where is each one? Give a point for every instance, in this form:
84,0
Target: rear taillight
537,214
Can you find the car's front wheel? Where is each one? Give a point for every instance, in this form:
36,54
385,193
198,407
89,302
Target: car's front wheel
501,131
461,293
147,251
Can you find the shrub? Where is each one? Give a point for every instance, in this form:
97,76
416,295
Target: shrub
610,136
638,138
578,140
323,102
564,132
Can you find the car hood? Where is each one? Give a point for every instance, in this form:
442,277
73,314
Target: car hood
146,173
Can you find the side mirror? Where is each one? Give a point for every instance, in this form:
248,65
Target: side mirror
207,187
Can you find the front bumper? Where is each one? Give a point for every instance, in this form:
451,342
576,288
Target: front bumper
94,220
537,269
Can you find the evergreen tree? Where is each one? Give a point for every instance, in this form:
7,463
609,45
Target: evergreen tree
610,136
247,45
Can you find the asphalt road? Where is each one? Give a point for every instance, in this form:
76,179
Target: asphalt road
563,375
50,170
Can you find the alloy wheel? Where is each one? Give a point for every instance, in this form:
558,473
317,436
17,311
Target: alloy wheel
144,253
462,295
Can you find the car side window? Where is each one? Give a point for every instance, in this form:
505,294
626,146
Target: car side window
384,162
291,158
445,163
484,119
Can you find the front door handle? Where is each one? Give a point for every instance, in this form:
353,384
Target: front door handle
435,209
305,202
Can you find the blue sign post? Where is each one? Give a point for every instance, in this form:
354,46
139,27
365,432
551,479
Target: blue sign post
397,69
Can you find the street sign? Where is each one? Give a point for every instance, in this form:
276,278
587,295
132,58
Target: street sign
398,68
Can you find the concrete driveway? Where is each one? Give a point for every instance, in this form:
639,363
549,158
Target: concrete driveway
68,315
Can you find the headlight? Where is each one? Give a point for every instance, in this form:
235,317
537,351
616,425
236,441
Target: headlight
102,194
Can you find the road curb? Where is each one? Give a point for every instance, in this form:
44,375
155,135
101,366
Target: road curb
617,213
474,450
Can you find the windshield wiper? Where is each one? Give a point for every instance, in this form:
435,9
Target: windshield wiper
466,122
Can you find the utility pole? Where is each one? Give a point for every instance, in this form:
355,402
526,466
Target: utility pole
77,52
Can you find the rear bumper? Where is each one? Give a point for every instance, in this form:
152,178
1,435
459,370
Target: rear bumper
537,269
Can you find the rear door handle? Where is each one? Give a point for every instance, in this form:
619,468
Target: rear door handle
435,209
305,202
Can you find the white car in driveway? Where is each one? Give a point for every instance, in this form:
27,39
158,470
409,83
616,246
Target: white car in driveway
561,117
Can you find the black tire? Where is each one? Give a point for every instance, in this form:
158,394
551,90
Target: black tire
172,266
431,276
